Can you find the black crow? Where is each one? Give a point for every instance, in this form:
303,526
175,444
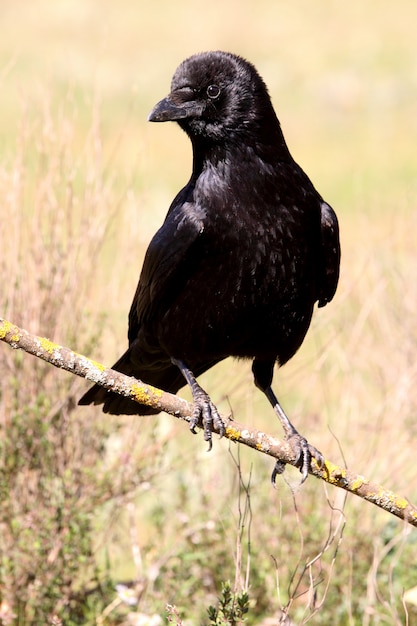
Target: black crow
247,248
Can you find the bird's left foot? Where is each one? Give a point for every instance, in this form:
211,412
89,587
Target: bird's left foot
304,454
302,450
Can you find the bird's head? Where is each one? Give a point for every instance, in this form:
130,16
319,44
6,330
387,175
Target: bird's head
215,95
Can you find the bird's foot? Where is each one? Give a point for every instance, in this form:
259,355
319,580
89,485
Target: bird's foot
304,453
206,414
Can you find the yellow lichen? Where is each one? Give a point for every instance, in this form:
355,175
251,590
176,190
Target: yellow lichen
400,503
357,484
335,473
233,433
89,362
48,346
98,366
6,328
142,395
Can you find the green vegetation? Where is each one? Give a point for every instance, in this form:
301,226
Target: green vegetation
89,501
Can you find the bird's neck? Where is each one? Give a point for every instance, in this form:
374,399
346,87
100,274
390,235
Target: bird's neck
270,149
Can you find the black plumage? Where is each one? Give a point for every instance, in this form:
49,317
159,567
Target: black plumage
247,248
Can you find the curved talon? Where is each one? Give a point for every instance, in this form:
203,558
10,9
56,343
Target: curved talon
204,411
194,423
305,452
206,414
318,456
217,420
279,468
300,446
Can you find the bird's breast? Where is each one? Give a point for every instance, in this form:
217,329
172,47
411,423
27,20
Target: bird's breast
249,290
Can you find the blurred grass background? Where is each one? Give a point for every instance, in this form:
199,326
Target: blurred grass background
78,79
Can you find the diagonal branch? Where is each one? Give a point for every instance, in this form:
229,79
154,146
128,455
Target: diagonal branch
80,365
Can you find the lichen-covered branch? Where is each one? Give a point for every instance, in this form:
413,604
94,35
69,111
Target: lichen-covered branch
80,365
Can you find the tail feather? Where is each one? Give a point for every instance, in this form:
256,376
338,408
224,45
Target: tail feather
167,377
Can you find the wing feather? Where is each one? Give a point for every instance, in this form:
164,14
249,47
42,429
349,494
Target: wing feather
168,262
330,257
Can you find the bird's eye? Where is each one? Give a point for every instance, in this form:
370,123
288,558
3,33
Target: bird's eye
213,91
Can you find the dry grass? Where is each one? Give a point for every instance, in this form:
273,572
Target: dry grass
78,164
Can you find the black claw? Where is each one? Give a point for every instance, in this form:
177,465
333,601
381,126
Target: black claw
279,468
218,423
206,415
304,453
195,420
304,470
318,456
193,425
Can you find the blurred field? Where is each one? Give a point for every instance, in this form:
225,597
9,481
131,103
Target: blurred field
343,79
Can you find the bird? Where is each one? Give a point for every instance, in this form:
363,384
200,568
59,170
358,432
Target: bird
246,250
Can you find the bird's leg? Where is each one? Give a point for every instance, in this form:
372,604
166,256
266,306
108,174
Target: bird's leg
299,444
204,410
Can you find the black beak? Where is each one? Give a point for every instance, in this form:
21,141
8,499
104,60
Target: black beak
169,111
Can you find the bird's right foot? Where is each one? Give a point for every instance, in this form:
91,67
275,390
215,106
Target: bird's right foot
205,414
